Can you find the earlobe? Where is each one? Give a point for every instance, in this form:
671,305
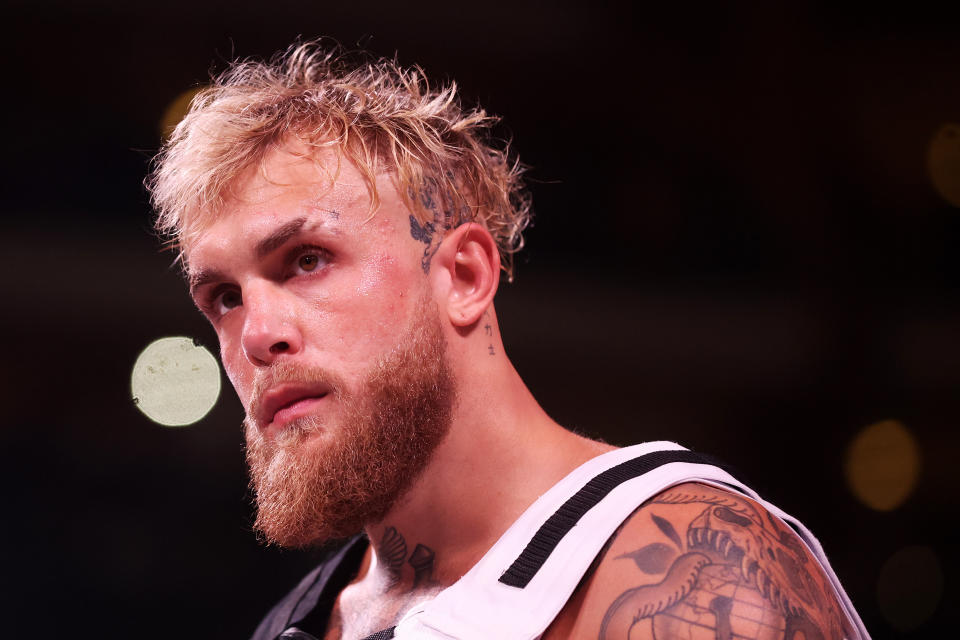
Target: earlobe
470,262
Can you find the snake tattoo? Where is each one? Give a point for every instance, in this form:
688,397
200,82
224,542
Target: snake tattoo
737,573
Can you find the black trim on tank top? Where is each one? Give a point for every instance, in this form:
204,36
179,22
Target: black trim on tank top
313,623
546,539
385,634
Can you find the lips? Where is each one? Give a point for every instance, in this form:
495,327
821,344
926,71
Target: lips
286,402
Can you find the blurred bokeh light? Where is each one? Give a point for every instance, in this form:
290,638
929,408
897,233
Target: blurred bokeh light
739,245
943,162
910,587
175,382
883,464
175,111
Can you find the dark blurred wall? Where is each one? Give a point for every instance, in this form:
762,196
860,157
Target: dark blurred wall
738,246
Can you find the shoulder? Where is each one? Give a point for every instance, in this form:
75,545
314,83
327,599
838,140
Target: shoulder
700,559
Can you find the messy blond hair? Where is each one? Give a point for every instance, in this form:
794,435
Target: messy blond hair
380,116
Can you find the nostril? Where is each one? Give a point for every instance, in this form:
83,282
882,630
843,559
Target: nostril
280,347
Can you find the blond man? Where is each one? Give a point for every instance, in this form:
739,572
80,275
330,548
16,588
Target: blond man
343,225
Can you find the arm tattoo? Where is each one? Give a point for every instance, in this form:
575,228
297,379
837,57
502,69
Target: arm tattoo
673,496
738,573
667,529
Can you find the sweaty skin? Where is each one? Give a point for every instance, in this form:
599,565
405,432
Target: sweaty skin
649,600
296,273
289,286
732,571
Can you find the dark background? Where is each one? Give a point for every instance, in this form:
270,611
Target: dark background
737,247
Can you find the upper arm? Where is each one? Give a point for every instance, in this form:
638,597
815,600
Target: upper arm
696,561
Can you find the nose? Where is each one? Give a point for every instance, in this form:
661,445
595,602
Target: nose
270,328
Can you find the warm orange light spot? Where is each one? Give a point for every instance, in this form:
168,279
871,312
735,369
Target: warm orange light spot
176,110
883,464
910,587
943,163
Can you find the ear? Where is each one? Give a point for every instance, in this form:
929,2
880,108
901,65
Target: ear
468,262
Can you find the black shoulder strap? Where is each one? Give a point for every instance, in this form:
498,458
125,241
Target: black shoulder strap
546,539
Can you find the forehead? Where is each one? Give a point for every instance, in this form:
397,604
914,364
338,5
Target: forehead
295,190
322,179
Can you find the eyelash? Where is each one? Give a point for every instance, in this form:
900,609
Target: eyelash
210,305
294,254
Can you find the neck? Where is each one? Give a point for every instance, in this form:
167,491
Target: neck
497,459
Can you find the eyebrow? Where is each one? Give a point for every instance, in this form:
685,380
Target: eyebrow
197,279
279,237
264,247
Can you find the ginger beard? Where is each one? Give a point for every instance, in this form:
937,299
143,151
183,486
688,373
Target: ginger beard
321,479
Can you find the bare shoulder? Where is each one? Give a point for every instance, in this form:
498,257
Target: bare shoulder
697,561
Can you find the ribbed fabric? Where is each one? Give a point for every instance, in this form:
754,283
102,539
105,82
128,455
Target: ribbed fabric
525,567
386,634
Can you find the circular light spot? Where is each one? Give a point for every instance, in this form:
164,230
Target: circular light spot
910,587
943,162
176,110
882,465
175,381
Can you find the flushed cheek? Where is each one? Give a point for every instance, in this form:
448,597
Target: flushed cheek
386,289
382,269
366,323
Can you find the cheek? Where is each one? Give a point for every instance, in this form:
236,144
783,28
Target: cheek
383,295
385,288
240,376
377,276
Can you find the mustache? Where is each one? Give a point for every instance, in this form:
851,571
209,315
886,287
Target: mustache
288,372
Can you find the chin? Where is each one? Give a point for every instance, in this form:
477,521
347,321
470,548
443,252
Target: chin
317,482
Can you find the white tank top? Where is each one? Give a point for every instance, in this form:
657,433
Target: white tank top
517,589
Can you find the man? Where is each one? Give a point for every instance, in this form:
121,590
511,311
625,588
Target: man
343,227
